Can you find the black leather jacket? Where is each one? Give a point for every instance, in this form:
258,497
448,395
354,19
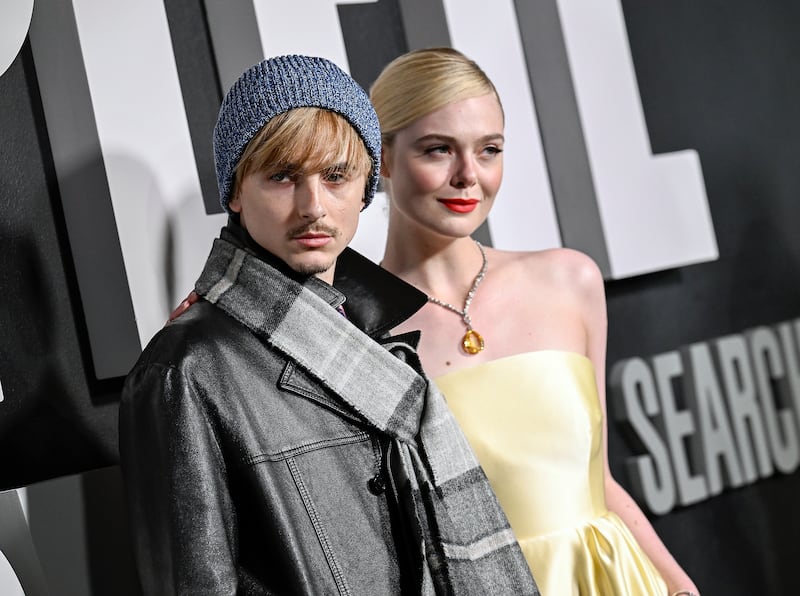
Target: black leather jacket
243,475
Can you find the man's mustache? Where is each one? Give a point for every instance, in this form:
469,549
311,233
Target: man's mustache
314,228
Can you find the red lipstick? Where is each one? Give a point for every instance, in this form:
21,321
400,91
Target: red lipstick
460,205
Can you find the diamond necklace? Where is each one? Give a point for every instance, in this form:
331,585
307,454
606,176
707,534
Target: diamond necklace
472,342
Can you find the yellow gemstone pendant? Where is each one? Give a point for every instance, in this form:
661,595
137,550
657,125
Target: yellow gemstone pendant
472,342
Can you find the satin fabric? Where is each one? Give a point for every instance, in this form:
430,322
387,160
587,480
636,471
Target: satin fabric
535,423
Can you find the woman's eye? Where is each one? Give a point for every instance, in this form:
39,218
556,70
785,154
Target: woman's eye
437,149
493,150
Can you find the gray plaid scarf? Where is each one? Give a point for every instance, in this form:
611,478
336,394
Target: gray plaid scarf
465,544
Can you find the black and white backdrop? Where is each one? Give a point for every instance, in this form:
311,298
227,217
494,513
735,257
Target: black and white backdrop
661,138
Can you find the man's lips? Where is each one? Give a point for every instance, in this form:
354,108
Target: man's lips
460,205
312,240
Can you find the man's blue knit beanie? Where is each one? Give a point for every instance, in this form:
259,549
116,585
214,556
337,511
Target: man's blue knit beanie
281,84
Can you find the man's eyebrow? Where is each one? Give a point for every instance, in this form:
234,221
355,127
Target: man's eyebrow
339,166
282,166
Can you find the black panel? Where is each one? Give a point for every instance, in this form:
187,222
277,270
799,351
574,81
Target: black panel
200,87
373,36
54,418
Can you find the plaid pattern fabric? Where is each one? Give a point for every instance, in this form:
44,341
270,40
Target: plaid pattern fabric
465,543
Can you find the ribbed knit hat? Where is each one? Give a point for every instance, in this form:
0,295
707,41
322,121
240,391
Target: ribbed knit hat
281,84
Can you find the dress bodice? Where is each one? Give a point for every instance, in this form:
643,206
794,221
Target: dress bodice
535,423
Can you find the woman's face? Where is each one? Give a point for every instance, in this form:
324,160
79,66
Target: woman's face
444,169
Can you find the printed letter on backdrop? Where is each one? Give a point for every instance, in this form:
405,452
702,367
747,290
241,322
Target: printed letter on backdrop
653,209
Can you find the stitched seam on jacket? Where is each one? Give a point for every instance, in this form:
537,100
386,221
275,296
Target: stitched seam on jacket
288,453
286,383
322,535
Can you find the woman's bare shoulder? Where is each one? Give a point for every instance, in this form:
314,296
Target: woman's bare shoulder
553,266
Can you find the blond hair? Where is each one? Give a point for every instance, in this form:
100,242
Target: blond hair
423,81
304,140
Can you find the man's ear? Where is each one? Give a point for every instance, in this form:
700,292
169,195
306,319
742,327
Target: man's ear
235,204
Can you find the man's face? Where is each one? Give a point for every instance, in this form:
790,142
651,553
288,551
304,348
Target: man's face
306,219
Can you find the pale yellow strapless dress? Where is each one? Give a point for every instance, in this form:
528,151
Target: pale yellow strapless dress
535,423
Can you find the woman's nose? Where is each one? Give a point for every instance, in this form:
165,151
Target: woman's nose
465,175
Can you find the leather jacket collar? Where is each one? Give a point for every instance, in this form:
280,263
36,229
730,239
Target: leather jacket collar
374,299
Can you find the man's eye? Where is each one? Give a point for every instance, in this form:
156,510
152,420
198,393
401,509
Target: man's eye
280,177
336,176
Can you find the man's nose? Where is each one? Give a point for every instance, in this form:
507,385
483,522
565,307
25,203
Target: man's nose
309,198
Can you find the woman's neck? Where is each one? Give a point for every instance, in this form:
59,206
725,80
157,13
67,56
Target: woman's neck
444,268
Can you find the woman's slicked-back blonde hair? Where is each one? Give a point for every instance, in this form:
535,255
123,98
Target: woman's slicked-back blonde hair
421,82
